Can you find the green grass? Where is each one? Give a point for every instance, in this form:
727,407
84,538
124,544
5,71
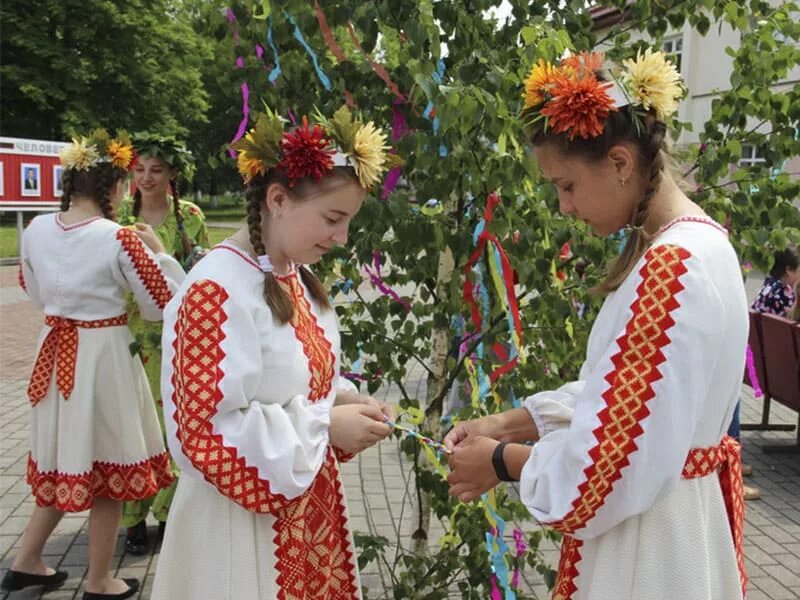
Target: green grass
217,234
8,238
8,241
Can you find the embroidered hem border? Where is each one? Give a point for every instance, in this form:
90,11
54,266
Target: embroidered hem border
76,493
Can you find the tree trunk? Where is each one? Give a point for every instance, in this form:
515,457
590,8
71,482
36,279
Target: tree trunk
440,343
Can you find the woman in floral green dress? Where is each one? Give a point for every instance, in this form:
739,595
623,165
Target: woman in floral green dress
181,227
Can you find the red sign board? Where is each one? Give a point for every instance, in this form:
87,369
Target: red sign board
30,173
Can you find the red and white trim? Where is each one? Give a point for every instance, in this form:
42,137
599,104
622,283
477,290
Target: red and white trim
76,492
309,333
146,268
692,219
312,542
238,252
630,382
74,226
196,379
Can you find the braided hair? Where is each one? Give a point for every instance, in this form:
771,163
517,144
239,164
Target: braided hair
276,298
649,139
95,182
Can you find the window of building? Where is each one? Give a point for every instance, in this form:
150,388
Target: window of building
751,155
673,47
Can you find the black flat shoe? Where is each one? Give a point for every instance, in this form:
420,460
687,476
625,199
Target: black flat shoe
133,587
17,580
136,541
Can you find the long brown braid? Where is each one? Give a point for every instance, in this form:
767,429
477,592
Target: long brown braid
276,298
638,239
176,209
95,182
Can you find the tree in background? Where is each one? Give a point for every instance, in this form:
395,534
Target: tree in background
74,65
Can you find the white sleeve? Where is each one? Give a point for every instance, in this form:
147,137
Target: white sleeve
635,416
345,385
259,455
152,278
553,410
27,280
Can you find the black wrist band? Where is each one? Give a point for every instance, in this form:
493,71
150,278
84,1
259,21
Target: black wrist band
499,464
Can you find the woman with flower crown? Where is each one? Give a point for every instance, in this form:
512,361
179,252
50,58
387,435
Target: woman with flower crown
180,225
95,435
258,417
631,461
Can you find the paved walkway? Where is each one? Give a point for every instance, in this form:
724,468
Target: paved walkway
377,485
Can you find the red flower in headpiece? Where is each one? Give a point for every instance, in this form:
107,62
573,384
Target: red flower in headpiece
306,153
579,106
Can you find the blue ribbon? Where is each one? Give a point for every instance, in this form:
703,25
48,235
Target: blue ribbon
299,37
276,71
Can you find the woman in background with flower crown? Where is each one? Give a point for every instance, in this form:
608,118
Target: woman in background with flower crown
630,462
181,227
95,435
260,418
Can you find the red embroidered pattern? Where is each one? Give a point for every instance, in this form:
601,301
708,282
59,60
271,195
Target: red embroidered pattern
567,568
76,493
60,350
726,459
315,345
341,455
631,381
196,377
146,268
309,333
312,543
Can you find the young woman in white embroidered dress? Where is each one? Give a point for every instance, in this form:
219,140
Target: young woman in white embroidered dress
631,461
258,418
95,437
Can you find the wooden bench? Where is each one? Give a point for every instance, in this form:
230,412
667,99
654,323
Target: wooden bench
775,343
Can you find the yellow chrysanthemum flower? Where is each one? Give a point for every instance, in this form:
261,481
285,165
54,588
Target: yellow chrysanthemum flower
79,155
120,155
249,167
653,82
541,77
369,153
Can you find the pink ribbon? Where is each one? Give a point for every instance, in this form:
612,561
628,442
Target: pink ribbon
752,374
245,116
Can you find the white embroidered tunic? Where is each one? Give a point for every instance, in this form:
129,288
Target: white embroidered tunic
662,377
259,512
94,427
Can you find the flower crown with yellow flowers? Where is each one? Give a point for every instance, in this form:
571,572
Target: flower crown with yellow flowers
86,152
308,151
569,98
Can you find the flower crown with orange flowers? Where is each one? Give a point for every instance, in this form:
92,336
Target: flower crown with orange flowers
86,152
568,98
310,151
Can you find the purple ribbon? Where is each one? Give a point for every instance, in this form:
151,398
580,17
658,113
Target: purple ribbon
399,129
377,281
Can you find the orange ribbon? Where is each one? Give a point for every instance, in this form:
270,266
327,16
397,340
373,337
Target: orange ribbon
726,460
59,351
